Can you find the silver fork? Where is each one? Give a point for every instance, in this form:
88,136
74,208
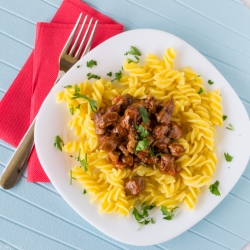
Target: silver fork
69,56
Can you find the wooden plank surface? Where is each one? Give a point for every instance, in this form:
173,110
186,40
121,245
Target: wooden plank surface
33,215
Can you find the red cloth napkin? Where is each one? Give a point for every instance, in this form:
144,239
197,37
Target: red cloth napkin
21,103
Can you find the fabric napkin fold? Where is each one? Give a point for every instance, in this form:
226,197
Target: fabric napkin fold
21,103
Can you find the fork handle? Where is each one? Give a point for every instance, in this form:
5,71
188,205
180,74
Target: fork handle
20,157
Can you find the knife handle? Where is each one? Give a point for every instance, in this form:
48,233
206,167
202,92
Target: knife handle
19,159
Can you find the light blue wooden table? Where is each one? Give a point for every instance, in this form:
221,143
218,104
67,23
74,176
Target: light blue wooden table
33,215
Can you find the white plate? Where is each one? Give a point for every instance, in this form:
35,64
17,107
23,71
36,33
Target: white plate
52,121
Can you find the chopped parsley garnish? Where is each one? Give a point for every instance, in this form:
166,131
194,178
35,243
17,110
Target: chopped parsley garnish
143,217
78,66
131,60
228,157
144,114
71,177
142,130
83,162
91,64
84,191
159,154
210,82
200,91
214,188
224,117
133,51
168,215
72,110
90,76
151,153
118,76
92,103
77,89
58,142
230,127
141,145
195,78
78,106
109,74
68,86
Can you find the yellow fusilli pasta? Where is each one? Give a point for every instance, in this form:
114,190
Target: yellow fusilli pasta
197,111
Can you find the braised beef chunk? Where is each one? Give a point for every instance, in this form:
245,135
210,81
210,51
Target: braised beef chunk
97,118
109,143
162,144
150,104
133,137
129,160
175,131
167,164
132,145
128,120
123,148
102,110
165,114
108,119
176,149
124,100
113,108
135,186
114,156
159,131
100,131
120,165
118,129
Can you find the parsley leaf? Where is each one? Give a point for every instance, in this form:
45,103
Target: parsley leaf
169,215
210,82
71,177
143,217
91,64
195,78
68,86
151,153
78,66
230,127
142,130
200,91
58,142
109,74
133,51
77,89
83,162
228,157
214,188
224,117
141,145
131,60
72,111
118,76
144,114
84,191
92,103
159,154
90,76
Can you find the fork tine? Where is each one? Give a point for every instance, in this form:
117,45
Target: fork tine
87,48
66,46
83,40
77,38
